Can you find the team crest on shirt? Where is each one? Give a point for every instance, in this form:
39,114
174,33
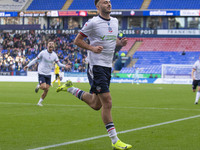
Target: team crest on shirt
109,28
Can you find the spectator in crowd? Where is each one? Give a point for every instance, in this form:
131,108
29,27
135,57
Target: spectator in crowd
76,65
183,53
151,76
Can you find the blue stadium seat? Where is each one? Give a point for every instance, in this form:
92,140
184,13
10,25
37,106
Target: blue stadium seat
151,61
46,5
116,4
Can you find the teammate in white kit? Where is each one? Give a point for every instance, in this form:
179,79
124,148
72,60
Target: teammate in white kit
196,79
102,33
46,60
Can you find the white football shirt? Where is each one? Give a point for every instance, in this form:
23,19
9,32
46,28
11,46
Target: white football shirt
46,61
196,66
101,32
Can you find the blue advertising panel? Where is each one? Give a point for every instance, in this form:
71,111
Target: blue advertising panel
8,14
129,80
13,73
161,13
151,13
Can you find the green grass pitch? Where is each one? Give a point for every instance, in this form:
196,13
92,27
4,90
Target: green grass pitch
64,118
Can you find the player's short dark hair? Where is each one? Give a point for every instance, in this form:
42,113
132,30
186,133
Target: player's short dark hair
95,2
50,40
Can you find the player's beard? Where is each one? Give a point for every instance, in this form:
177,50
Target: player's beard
50,49
106,10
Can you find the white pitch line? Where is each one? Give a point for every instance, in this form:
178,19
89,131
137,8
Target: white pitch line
62,105
6,103
154,108
105,135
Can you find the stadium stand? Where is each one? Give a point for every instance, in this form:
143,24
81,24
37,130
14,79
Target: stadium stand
82,5
116,5
130,43
151,54
128,4
16,50
151,61
46,5
157,51
161,57
13,5
170,44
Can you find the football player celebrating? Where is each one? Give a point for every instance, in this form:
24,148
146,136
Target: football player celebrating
46,59
102,32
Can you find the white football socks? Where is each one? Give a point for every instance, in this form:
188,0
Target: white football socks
112,132
76,92
197,96
40,101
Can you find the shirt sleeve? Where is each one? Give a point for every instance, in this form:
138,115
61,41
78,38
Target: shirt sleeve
117,22
87,28
32,62
39,56
195,66
60,64
35,59
56,57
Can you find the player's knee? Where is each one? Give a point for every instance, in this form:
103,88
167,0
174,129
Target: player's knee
108,105
42,87
97,108
46,89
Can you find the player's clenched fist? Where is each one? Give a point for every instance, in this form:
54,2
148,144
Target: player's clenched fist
97,49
